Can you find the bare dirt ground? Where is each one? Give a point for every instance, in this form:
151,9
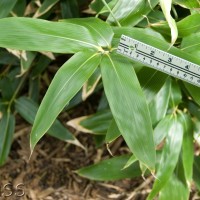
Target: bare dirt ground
50,173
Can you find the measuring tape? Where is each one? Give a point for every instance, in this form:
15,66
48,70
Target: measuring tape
159,60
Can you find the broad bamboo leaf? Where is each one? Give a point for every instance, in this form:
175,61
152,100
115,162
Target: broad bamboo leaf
7,58
100,31
91,84
113,132
20,8
130,161
9,84
6,7
129,107
174,190
103,104
187,3
194,109
130,13
69,9
187,147
151,82
99,140
66,83
189,25
105,9
158,106
111,169
7,127
166,8
40,66
169,157
175,95
28,109
154,17
194,92
97,5
196,173
162,129
97,123
26,62
45,7
196,125
191,44
41,35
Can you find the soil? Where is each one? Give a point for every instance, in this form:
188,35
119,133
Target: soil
50,173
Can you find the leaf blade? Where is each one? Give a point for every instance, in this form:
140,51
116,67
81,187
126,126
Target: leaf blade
132,12
100,30
41,35
119,80
7,126
169,157
70,78
111,169
7,6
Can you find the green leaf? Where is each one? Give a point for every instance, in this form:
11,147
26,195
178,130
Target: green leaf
130,161
194,92
154,17
97,123
42,63
28,109
45,7
175,95
162,129
111,169
26,63
91,84
101,32
187,3
7,127
66,83
193,109
187,147
113,132
7,58
19,8
69,9
169,157
174,189
129,109
166,8
189,25
97,5
158,106
132,12
6,7
151,82
196,173
191,44
10,83
105,9
41,35
186,26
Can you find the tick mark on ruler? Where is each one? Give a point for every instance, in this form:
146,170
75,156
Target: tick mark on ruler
163,61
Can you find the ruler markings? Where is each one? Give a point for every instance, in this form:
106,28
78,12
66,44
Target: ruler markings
160,60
